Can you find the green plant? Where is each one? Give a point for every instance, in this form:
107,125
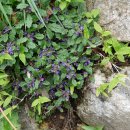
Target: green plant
108,87
49,52
85,127
37,103
5,14
53,59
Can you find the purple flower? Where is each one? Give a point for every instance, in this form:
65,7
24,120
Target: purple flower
9,48
76,64
2,52
46,19
42,78
55,69
29,35
68,76
41,54
32,83
63,64
66,94
52,94
87,63
28,9
78,33
6,30
81,28
56,8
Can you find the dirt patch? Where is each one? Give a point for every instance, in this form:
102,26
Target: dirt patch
67,120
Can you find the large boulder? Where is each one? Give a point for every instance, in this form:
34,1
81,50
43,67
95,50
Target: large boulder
115,16
112,112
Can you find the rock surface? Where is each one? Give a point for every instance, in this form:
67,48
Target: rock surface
112,112
26,122
115,16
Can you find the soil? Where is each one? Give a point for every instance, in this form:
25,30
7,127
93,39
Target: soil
67,120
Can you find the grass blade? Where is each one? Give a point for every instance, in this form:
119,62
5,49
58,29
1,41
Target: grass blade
36,11
5,15
56,17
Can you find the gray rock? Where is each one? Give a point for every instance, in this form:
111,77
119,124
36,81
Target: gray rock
112,112
26,122
115,16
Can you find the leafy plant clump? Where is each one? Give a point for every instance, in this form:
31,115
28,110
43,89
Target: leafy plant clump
47,50
45,60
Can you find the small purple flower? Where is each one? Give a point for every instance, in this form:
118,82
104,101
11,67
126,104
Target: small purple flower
9,48
81,28
55,69
52,94
46,19
87,63
31,36
41,54
42,79
2,52
32,84
56,8
68,76
78,33
28,9
6,30
63,64
66,94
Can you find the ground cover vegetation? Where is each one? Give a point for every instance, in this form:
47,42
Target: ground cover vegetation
48,48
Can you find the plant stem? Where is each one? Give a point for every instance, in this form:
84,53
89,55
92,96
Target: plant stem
7,119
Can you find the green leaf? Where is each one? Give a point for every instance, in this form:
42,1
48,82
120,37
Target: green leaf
8,9
7,101
97,27
3,75
44,99
50,34
4,82
123,51
80,66
92,128
119,78
86,32
22,6
4,13
101,89
39,36
21,40
46,83
63,5
4,37
22,58
105,61
56,28
40,100
95,12
106,33
71,90
121,58
74,82
31,45
29,21
6,56
35,102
